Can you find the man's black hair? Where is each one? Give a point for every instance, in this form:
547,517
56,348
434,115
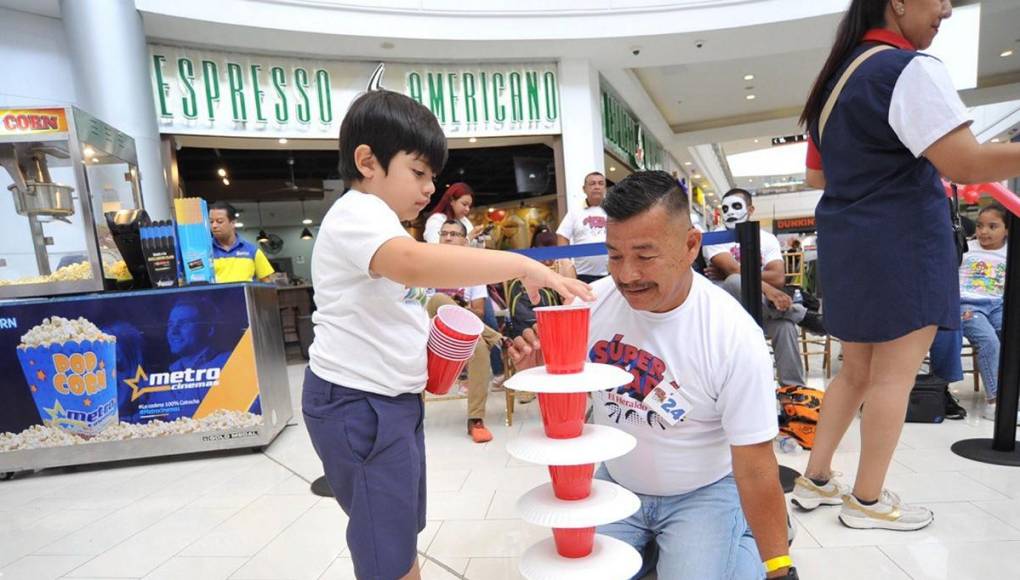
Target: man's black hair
741,192
639,192
231,210
457,223
390,123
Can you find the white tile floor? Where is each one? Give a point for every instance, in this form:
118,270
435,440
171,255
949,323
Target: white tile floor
250,515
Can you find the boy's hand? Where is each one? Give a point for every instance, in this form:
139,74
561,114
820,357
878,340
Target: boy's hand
538,276
526,351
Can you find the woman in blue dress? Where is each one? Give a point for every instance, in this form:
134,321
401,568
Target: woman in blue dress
886,255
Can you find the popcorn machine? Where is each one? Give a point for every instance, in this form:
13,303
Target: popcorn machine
64,169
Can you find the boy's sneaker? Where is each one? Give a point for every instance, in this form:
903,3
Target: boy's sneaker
888,513
808,495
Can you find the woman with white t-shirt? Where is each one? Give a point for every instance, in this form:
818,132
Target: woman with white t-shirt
982,281
454,205
885,123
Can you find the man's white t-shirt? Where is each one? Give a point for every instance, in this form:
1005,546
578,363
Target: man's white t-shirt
771,250
983,272
586,226
469,294
370,332
718,357
434,225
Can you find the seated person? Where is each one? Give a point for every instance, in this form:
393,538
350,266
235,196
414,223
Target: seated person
706,482
780,313
944,356
982,282
522,313
479,370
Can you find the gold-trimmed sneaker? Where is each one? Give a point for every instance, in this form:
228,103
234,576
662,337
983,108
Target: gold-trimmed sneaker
807,495
888,514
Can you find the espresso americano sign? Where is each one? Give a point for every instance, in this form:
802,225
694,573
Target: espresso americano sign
204,92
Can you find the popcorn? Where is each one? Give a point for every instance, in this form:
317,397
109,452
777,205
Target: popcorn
71,273
57,329
40,436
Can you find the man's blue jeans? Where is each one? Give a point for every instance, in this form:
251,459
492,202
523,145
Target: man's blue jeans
700,534
982,329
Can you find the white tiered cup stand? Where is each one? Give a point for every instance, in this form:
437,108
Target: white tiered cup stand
610,558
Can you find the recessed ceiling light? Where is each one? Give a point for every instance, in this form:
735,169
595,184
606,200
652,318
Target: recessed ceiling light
282,140
688,163
750,97
492,209
226,181
95,160
88,151
221,172
239,224
473,140
750,181
696,176
748,77
1006,53
755,140
306,221
996,140
612,169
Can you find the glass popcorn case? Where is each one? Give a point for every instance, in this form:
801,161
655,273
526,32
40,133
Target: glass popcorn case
63,170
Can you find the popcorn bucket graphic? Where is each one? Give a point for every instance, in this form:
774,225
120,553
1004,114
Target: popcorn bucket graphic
73,384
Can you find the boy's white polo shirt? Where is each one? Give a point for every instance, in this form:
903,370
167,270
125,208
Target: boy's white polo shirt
370,332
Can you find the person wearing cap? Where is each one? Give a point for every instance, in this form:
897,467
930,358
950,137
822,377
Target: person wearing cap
234,258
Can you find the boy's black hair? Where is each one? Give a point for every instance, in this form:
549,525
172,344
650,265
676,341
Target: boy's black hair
390,123
459,224
231,210
741,192
639,192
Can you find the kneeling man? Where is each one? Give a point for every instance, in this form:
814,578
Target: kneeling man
703,467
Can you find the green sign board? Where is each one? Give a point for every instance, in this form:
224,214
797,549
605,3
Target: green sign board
624,136
199,91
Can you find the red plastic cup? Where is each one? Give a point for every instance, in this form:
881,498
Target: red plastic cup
457,323
443,373
563,414
574,542
572,482
563,331
440,342
457,353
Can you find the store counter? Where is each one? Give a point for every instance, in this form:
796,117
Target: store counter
125,375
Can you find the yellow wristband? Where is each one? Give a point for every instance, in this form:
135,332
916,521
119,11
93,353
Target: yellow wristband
778,562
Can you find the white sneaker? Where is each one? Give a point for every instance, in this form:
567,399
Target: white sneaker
888,514
989,413
807,495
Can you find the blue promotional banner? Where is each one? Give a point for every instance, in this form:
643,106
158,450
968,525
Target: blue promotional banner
127,365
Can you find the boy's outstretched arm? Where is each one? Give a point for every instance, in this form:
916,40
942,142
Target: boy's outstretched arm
415,264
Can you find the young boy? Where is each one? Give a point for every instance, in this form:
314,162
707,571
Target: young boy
361,399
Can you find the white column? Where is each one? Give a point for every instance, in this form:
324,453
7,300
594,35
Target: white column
109,59
581,121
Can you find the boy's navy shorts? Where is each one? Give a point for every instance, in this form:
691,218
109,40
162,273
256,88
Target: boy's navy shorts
372,448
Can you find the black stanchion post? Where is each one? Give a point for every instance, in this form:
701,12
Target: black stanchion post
1004,437
1001,450
749,239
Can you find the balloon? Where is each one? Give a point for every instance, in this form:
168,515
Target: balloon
1002,195
970,194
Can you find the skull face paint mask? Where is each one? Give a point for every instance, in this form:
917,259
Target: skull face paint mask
735,211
